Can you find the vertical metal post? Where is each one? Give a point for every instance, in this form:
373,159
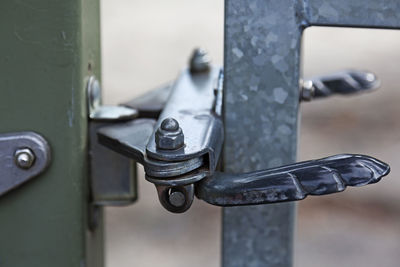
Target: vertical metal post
47,50
262,57
262,41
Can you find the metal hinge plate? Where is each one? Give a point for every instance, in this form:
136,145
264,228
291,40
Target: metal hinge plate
23,156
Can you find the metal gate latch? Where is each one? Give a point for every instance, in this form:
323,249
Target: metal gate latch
177,135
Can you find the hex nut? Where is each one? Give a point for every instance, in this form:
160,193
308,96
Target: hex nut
169,135
24,158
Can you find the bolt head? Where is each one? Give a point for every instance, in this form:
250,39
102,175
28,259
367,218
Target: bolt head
169,135
200,61
177,199
24,158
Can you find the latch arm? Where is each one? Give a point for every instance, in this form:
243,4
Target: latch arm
151,104
180,151
292,182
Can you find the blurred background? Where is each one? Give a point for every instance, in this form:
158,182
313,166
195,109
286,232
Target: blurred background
147,43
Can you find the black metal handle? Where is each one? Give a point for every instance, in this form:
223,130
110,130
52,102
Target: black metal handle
344,83
292,182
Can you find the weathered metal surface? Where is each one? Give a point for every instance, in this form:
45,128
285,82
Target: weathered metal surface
191,103
262,44
184,145
354,13
169,135
261,95
130,139
292,182
47,49
16,170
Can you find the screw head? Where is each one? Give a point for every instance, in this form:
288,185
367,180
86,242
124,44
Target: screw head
169,135
24,158
200,61
177,199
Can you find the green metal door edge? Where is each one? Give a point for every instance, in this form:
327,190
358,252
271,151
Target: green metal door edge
48,48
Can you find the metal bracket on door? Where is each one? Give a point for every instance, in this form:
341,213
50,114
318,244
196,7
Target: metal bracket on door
23,156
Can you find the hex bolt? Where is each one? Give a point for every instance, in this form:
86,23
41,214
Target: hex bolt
24,158
199,61
177,199
169,135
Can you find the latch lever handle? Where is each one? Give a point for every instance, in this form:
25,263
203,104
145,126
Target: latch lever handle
341,83
292,182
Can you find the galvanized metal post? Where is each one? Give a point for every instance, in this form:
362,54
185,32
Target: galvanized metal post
262,41
262,58
47,50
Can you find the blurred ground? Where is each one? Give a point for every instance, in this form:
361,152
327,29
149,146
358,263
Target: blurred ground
146,43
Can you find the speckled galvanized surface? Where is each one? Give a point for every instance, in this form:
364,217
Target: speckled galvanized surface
357,13
262,56
262,41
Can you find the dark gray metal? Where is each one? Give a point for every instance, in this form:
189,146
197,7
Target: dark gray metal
151,103
175,168
112,175
200,61
355,13
262,47
130,139
292,182
177,198
343,83
167,198
172,161
169,135
192,103
23,156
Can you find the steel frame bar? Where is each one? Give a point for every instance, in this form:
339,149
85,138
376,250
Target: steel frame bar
48,48
261,99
